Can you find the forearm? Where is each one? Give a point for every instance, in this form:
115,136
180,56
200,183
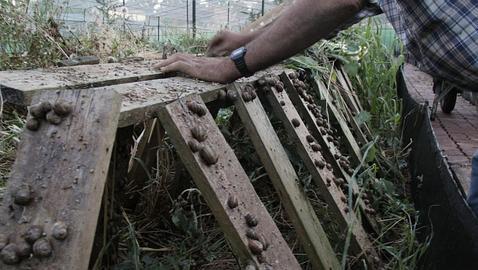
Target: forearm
301,25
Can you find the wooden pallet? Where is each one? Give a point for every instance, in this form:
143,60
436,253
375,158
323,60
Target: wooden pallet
323,176
62,169
225,183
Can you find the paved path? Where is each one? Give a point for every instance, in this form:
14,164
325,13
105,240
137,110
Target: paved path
457,133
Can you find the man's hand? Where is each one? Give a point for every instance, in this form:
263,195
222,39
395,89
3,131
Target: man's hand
221,70
224,42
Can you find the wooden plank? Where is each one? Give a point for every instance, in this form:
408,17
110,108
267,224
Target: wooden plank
65,167
350,141
223,181
19,86
324,177
329,149
349,86
284,178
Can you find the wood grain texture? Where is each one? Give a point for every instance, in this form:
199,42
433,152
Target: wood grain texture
284,178
66,167
223,180
331,193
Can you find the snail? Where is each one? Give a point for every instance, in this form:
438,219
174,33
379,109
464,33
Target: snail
231,95
53,118
315,147
343,199
62,108
221,95
293,75
42,248
23,195
370,211
197,108
9,254
246,96
24,249
251,234
32,124
59,230
295,122
310,138
256,247
311,107
319,163
346,209
251,220
323,131
336,156
194,145
279,87
232,202
209,156
329,166
264,242
39,110
199,133
282,103
33,234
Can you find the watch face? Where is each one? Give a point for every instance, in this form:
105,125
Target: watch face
237,53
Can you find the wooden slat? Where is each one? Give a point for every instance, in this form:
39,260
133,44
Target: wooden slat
66,168
350,141
332,194
19,86
284,178
223,180
328,149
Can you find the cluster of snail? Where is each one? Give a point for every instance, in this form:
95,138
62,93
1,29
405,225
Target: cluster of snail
268,82
330,134
34,240
199,134
227,96
257,243
53,114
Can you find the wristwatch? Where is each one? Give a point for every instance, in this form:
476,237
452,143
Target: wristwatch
237,56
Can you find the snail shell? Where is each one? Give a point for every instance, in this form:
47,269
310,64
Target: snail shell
295,122
293,75
246,96
329,166
37,111
209,156
343,199
279,87
264,242
253,94
24,249
221,95
366,201
255,247
311,107
315,147
336,156
310,138
4,239
346,209
251,220
232,202
53,118
323,131
62,108
59,230
199,133
42,248
251,234
33,234
231,95
319,163
194,145
282,103
270,81
9,254
32,124
319,123
370,211
23,195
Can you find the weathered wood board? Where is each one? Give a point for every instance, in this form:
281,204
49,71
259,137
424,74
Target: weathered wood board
19,86
328,149
323,177
284,178
223,181
65,166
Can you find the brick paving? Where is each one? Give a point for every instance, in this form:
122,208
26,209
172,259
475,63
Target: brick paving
457,133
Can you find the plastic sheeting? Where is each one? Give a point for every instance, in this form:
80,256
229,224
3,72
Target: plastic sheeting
444,214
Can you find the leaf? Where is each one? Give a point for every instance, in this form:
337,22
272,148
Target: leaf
363,117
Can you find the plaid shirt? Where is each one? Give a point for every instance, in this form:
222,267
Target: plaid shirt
440,35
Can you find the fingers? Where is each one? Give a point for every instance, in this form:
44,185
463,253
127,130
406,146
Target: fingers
174,58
